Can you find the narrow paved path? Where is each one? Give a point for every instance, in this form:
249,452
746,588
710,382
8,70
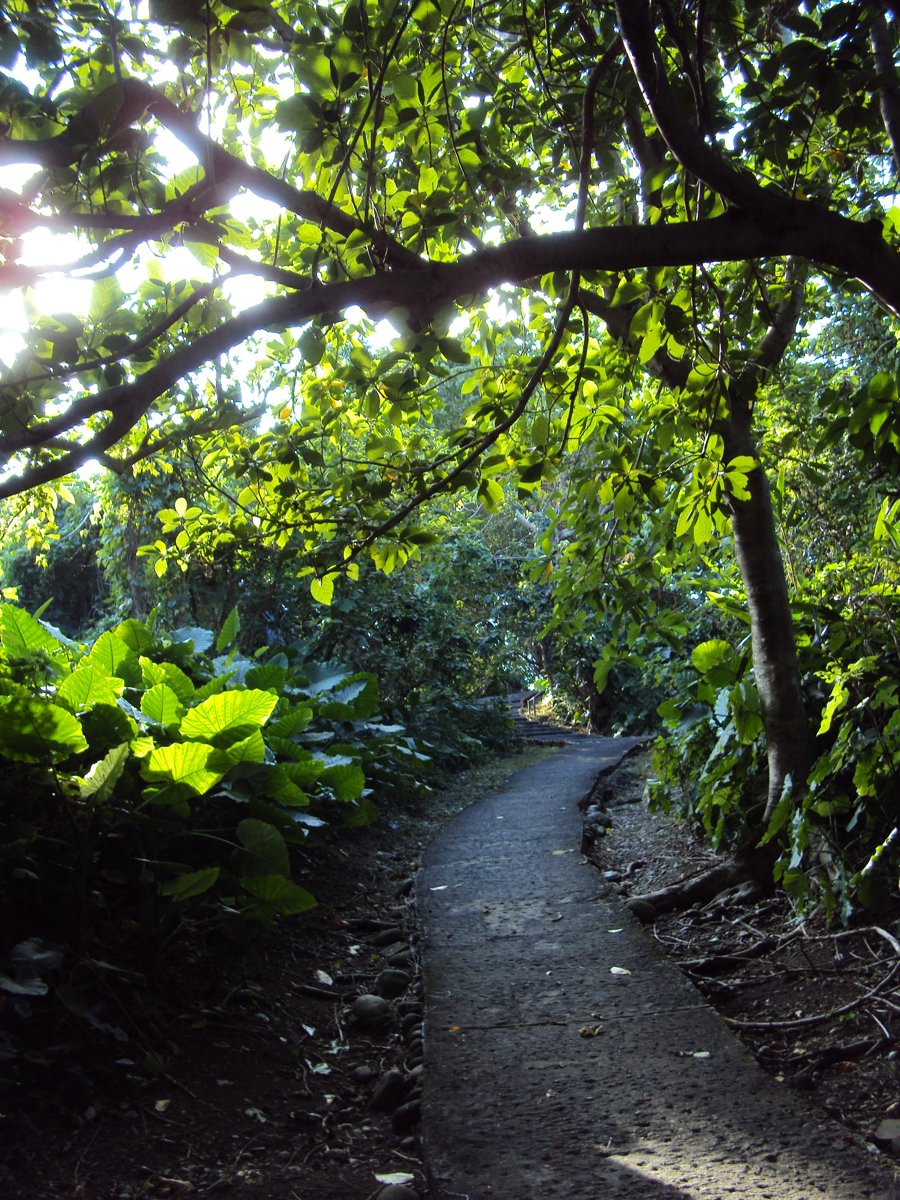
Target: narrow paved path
565,1057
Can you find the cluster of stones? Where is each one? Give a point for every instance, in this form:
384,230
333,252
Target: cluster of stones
395,1003
596,822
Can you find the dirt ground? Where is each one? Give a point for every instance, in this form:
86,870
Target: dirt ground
256,1081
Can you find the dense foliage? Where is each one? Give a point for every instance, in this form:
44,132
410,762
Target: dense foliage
624,272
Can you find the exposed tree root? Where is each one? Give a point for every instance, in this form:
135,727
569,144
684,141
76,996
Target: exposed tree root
745,877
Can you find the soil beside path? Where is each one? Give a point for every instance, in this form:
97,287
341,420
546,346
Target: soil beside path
565,1055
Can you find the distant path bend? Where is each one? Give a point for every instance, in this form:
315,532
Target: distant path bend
565,1057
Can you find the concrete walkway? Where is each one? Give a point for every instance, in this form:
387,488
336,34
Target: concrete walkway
565,1056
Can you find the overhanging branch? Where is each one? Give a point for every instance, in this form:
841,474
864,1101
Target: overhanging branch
225,172
830,240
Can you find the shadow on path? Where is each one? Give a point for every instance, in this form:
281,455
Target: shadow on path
565,1056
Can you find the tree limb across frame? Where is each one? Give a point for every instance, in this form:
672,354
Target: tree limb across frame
825,238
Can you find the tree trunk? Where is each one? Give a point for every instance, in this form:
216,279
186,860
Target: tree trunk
788,734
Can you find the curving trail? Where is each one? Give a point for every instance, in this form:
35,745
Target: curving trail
565,1056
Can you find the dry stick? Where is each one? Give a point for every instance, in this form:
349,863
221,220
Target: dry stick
798,1022
846,933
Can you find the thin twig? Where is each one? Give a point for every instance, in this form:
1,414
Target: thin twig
818,1018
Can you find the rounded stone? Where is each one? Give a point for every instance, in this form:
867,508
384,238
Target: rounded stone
390,1092
392,982
642,909
370,1010
407,1116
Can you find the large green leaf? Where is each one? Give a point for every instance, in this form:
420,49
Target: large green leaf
279,896
37,731
87,686
228,717
23,636
162,705
716,661
184,763
230,629
116,658
294,721
250,749
281,787
356,700
346,781
190,884
265,850
198,638
108,725
170,673
135,635
100,782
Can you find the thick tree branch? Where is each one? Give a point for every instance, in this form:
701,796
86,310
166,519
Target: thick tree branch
696,155
225,171
888,80
422,293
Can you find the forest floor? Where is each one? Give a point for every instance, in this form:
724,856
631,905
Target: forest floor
256,1080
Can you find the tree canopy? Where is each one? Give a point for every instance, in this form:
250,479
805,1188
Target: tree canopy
329,165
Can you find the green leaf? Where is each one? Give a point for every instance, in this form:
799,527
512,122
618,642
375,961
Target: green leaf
192,883
162,705
88,686
230,629
322,590
106,298
711,654
703,527
153,672
278,894
200,639
355,701
228,717
268,677
135,635
185,763
100,782
265,850
34,730
115,658
250,749
490,493
23,636
346,781
108,725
